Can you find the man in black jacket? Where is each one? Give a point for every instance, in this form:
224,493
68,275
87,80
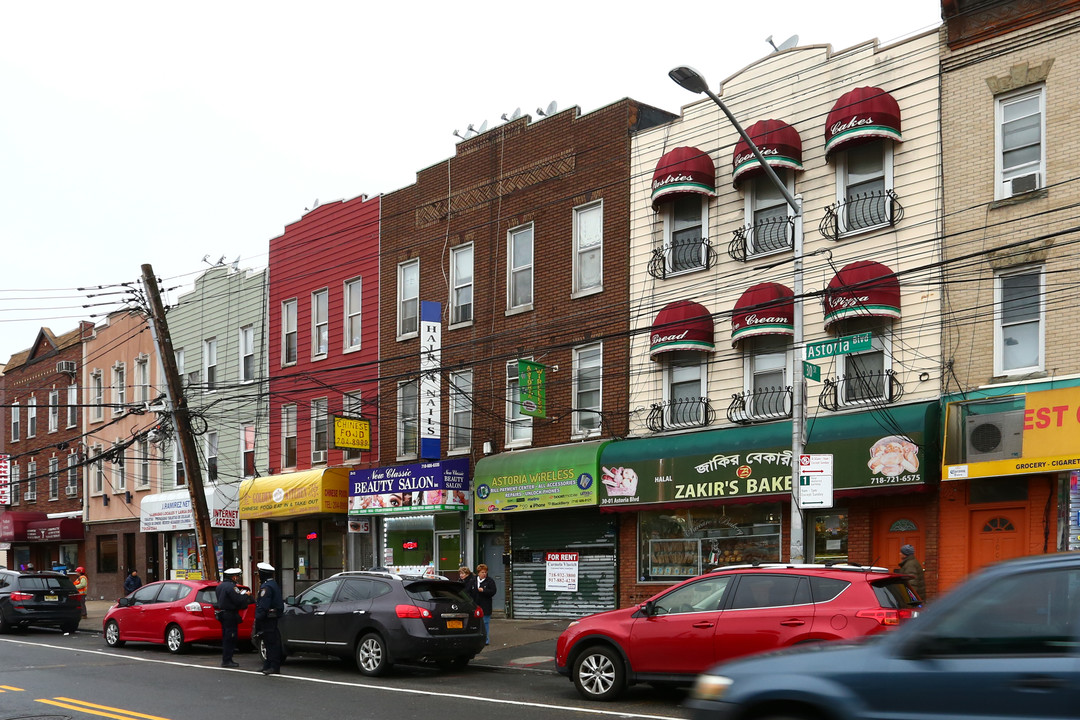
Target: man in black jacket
231,601
269,606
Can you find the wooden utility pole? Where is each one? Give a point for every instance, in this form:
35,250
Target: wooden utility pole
174,391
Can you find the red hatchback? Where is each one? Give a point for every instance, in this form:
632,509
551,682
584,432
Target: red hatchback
174,613
728,613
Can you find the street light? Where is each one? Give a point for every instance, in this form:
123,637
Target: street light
692,80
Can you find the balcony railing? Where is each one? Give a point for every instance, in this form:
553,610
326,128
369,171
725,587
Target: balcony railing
861,389
681,256
683,413
765,236
879,208
761,405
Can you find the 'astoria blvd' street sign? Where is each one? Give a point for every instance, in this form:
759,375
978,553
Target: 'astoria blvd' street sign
839,346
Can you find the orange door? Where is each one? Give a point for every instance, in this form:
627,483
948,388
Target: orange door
997,535
894,528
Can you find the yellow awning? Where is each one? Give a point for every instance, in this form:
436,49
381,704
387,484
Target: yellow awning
298,493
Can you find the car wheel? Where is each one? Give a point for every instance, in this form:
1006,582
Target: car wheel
112,634
599,674
69,627
5,626
174,640
371,657
455,663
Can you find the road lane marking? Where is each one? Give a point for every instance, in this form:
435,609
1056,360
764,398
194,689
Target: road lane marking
85,707
106,707
5,688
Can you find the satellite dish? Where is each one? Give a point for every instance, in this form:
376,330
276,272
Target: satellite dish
516,114
787,44
483,127
551,108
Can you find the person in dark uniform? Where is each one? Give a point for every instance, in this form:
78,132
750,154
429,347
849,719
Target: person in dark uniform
231,601
268,608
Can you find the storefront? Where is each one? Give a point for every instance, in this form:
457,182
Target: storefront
700,500
169,515
47,542
304,528
419,512
562,550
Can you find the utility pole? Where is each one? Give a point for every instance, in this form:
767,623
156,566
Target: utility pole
174,392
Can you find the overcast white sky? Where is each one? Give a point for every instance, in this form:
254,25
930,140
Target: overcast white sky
149,132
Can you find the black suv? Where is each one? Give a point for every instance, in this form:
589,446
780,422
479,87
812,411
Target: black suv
382,618
38,598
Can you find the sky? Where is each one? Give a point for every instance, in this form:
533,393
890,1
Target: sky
183,134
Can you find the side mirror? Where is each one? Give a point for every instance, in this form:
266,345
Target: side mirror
291,600
125,602
649,608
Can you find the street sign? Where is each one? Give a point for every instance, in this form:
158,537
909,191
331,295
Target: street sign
811,371
839,346
816,481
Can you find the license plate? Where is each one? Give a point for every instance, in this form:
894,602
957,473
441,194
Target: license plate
454,625
52,598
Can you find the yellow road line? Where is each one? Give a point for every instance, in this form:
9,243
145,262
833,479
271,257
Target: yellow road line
71,704
10,687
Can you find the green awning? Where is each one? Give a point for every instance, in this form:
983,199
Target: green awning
880,448
548,478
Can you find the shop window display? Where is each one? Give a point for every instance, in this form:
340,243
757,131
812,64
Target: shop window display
676,544
830,537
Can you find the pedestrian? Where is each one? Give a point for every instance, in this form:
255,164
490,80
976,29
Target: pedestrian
268,608
132,582
468,580
485,591
913,569
231,602
82,585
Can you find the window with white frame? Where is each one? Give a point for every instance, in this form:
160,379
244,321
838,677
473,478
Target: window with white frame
461,284
767,214
1019,317
16,484
765,376
1021,153
16,426
408,298
179,473
864,376
461,390
211,455
519,282
589,247
31,416
142,379
320,441
684,389
288,332
97,399
863,178
247,353
353,317
31,481
54,478
97,470
210,364
352,405
320,323
408,419
54,410
178,355
588,384
247,443
685,219
72,406
518,425
119,482
288,436
71,486
119,389
142,472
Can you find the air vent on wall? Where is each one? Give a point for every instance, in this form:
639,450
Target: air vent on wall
1023,184
318,457
66,366
994,436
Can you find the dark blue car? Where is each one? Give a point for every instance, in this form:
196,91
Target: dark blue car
1005,644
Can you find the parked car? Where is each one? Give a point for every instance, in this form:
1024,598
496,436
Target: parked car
727,613
1005,644
381,618
175,613
41,597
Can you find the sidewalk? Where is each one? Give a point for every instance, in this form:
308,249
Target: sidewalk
515,644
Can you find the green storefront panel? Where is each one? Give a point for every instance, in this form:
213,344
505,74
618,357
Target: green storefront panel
551,478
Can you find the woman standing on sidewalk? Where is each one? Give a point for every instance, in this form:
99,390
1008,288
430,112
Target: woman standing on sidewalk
485,590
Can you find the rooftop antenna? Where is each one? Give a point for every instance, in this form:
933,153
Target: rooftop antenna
513,116
787,44
551,108
479,131
457,134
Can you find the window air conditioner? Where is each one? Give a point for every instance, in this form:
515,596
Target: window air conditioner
1023,184
66,366
318,456
994,436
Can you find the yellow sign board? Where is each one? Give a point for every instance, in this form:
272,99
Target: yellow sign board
351,433
299,493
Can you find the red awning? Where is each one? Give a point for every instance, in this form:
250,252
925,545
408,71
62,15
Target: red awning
55,529
681,325
860,115
764,309
862,289
683,170
13,524
778,142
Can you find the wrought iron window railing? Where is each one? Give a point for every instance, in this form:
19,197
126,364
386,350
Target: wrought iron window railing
879,208
765,236
861,389
681,256
761,405
682,413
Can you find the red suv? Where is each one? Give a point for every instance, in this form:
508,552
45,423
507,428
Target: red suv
728,613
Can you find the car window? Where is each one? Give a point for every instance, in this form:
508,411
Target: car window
46,582
146,594
171,592
355,590
758,591
825,589
207,596
436,590
702,595
895,594
320,594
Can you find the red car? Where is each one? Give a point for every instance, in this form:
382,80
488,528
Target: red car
728,613
175,613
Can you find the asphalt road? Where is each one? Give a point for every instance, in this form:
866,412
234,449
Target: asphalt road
46,674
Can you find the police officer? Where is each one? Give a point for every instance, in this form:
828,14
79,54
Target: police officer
231,601
268,608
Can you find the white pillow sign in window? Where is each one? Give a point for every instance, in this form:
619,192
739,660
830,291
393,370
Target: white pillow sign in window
562,571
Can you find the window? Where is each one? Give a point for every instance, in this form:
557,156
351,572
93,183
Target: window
142,379
31,417
247,439
519,285
247,354
54,410
408,278
288,436
461,283
54,478
685,218
178,354
16,487
97,473
352,404
766,376
108,555
767,214
288,332
212,456
119,467
142,473
588,379
353,325
210,364
863,177
31,481
1020,158
73,406
97,401
319,428
71,487
180,475
684,384
461,387
1018,316
320,323
864,376
589,247
408,427
518,425
119,389
15,429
